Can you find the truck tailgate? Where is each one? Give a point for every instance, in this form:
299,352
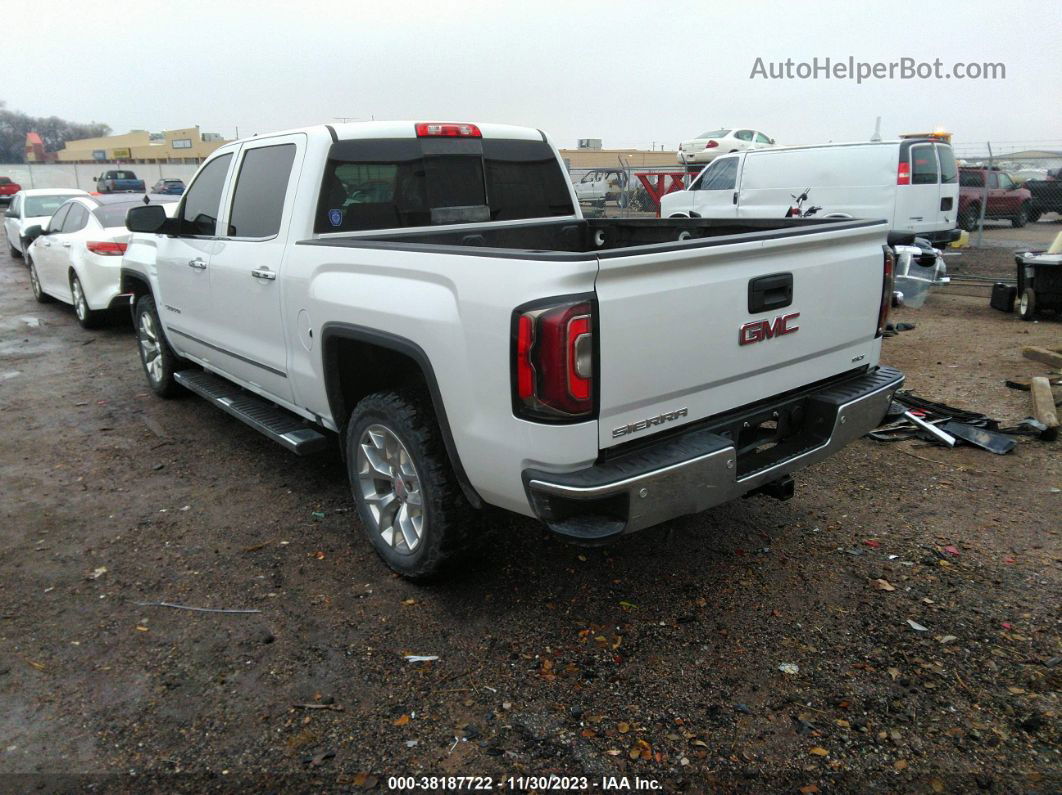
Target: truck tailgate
672,345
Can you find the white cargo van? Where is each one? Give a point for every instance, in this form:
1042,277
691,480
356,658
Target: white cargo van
913,184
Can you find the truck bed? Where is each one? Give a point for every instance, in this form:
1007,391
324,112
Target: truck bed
591,237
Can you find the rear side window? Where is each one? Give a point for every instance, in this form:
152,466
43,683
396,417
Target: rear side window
949,174
391,183
261,187
199,213
76,219
923,165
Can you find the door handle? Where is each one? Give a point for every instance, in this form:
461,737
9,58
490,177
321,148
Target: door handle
197,263
264,273
65,245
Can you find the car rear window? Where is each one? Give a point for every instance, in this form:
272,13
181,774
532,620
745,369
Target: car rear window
714,134
923,165
949,174
36,206
392,183
122,175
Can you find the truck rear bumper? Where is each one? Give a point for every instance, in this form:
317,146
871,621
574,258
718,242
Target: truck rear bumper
710,465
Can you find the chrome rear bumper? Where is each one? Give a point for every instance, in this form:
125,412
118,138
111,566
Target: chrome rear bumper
700,469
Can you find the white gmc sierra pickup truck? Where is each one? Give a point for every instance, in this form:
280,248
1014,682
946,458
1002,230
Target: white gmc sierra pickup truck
430,293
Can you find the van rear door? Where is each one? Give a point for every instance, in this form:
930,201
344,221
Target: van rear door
949,186
917,189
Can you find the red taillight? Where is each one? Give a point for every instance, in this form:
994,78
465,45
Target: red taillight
711,145
903,173
106,248
429,129
886,289
553,351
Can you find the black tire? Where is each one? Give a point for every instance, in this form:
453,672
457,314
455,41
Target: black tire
160,379
1019,220
1034,215
1027,305
449,525
969,217
35,284
87,318
14,252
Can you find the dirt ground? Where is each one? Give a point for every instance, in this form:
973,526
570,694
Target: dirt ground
657,657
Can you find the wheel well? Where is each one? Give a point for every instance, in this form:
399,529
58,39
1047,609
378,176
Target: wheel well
136,284
356,368
358,362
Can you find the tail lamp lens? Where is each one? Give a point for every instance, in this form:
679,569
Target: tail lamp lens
887,282
711,145
553,353
903,173
106,248
446,130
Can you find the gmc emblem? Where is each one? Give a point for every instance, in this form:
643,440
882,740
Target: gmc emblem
759,330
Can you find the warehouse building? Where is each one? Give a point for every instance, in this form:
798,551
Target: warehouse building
187,145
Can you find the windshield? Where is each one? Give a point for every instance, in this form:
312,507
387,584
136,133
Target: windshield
38,206
714,134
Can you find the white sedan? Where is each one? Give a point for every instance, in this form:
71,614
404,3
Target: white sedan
77,257
32,208
709,145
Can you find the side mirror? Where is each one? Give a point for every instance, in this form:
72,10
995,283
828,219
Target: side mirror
150,218
33,233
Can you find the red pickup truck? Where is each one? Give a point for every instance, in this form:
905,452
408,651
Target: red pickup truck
1005,199
8,189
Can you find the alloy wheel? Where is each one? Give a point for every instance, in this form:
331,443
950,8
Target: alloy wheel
150,347
390,488
80,307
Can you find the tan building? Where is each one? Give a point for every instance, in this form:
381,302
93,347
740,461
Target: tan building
611,158
187,145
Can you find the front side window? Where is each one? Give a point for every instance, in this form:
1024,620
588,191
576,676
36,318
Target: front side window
721,175
923,165
202,201
993,179
262,185
762,139
56,223
971,179
391,183
1005,182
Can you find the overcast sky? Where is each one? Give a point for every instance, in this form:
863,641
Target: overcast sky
630,73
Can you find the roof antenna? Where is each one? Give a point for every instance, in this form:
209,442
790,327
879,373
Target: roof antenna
876,137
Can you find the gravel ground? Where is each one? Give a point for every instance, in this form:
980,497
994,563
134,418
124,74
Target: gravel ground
659,656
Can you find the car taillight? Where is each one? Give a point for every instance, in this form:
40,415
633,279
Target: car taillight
446,130
711,145
106,248
887,271
903,173
553,360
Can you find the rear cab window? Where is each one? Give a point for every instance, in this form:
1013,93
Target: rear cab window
389,183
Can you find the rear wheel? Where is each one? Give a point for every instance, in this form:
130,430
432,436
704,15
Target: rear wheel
158,359
14,252
1027,304
969,217
1034,215
1019,220
410,504
86,317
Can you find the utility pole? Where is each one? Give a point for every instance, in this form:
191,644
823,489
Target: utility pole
984,198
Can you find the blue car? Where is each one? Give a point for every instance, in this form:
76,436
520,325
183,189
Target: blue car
173,187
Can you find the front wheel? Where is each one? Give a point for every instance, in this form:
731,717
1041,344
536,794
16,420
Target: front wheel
1027,304
408,499
158,359
87,318
1034,215
969,217
1019,220
35,283
14,252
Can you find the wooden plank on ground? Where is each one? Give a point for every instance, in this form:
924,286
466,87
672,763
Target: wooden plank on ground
1042,355
1044,402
